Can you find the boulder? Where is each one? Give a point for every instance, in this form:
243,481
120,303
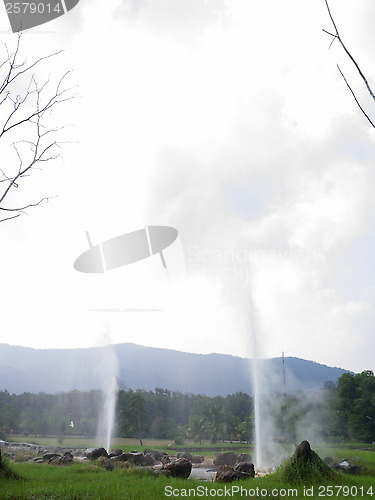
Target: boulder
228,458
67,458
348,468
115,452
185,454
98,452
227,474
244,457
134,457
156,455
48,456
247,467
108,464
126,465
355,470
224,474
137,458
179,468
148,459
197,459
303,452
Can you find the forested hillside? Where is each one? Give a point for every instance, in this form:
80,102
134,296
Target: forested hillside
345,410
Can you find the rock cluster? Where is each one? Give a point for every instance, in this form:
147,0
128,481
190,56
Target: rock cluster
228,470
179,467
345,466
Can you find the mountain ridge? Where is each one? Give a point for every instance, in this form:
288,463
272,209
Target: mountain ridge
26,369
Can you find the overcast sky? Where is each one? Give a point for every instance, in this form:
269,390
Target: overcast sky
229,121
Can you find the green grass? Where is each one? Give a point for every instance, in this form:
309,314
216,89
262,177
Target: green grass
89,481
92,481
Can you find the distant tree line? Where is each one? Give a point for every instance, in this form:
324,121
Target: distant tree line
341,411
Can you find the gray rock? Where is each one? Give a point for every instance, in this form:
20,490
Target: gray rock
227,458
108,464
179,468
67,458
98,452
185,454
303,451
116,452
48,456
156,455
148,459
134,457
348,468
246,467
227,474
244,457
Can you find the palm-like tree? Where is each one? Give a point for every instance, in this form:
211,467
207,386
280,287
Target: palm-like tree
245,429
196,428
214,420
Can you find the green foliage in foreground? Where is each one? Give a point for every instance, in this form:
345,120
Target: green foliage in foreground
92,481
7,471
315,471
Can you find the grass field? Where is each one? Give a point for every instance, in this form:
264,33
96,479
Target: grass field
92,481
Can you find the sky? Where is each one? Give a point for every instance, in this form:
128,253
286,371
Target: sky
229,121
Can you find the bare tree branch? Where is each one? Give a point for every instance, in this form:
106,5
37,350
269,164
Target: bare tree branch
355,98
9,218
24,114
336,36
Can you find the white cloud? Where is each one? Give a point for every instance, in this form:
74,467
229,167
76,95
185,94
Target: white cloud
229,122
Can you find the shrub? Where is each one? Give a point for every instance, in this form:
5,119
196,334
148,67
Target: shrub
179,440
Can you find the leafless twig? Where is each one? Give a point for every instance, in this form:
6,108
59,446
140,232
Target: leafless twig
336,36
25,115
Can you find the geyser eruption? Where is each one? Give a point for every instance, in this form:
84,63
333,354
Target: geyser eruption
255,366
256,378
108,367
248,321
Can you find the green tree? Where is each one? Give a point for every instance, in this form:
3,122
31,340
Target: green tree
214,420
239,404
356,395
245,429
135,413
196,428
